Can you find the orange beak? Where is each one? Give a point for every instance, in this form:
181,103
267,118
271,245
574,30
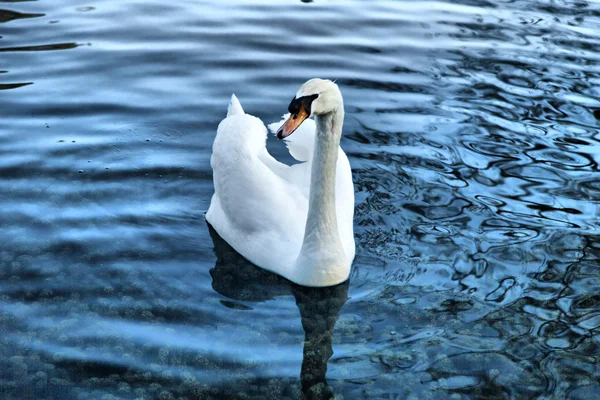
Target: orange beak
292,123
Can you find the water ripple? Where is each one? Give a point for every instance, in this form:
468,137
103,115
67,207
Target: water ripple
472,130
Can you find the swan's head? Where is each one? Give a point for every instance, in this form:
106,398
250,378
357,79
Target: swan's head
315,97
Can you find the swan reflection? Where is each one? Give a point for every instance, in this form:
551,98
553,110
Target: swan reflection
238,279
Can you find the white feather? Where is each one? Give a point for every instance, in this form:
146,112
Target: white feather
235,108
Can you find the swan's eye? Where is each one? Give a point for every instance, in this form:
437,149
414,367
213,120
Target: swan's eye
301,103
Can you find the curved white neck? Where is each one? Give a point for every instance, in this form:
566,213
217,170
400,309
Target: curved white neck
322,256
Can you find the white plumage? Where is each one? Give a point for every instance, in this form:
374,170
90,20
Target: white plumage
261,206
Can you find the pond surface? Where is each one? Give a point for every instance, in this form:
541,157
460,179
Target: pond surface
475,153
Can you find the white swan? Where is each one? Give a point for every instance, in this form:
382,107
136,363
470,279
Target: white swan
295,221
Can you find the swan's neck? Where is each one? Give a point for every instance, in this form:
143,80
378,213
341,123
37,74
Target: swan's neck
322,255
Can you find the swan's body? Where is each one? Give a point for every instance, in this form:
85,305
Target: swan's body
295,221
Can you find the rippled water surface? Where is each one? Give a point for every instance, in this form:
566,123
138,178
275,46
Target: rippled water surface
475,153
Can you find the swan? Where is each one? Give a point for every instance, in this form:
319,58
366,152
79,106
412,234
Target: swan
295,221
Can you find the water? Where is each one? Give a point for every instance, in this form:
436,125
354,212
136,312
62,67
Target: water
475,152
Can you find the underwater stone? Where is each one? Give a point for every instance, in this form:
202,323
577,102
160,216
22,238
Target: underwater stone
40,379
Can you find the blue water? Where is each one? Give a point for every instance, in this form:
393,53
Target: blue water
475,152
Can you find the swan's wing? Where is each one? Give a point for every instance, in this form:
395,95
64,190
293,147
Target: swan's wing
245,175
250,207
255,138
302,142
275,166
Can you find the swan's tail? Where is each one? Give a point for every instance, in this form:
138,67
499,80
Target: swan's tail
235,108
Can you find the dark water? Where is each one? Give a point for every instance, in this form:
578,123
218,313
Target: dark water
475,152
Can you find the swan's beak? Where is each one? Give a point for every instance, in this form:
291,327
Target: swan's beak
292,123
